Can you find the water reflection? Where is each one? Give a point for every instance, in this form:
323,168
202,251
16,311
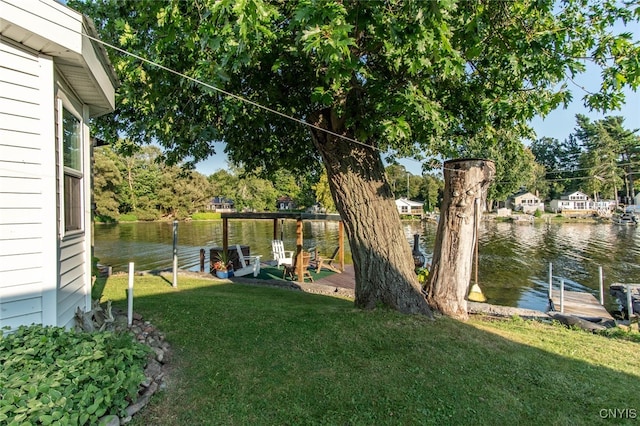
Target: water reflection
513,259
149,245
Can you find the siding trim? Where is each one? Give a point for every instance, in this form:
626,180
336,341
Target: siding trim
50,271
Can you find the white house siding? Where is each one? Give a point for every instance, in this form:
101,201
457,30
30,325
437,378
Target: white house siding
74,251
74,279
409,207
27,188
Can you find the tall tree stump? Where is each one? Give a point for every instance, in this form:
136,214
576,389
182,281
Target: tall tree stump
465,187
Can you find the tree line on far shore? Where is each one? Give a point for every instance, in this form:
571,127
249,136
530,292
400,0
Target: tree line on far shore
140,186
601,158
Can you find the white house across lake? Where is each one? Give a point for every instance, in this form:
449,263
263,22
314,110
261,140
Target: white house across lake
580,202
408,207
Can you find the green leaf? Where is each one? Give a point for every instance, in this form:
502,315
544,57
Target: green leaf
84,418
45,419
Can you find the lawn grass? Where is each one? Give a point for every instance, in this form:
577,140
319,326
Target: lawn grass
264,356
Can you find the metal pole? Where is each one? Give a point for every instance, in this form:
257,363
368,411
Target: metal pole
601,278
225,234
561,295
175,253
629,304
130,295
550,280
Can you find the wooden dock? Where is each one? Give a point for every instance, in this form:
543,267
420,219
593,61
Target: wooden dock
346,279
580,304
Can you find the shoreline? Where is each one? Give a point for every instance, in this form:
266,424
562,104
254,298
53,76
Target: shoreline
545,218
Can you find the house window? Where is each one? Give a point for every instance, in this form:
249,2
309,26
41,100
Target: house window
72,164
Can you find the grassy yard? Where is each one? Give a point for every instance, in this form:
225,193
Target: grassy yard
246,355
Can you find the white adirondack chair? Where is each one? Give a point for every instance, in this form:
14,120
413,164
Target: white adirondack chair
281,256
250,265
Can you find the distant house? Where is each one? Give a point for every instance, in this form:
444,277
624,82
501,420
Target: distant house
574,201
53,79
222,205
580,202
408,207
604,205
285,203
525,202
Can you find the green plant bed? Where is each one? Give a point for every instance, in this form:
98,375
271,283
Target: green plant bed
263,355
53,376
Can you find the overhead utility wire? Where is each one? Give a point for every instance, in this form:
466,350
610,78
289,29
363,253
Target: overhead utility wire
632,163
207,85
232,95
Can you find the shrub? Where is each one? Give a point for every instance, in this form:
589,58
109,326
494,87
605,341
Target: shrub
205,216
538,213
147,214
51,375
104,219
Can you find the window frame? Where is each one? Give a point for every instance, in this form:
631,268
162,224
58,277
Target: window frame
72,222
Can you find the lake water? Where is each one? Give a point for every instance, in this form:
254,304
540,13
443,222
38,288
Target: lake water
513,258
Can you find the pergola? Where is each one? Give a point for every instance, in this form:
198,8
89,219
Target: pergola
275,217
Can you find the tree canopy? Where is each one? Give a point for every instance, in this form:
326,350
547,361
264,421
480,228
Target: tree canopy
289,83
410,77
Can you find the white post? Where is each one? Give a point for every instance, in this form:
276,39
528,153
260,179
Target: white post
130,296
601,280
175,253
561,295
550,280
629,303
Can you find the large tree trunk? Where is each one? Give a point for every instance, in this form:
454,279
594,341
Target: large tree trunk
465,190
383,264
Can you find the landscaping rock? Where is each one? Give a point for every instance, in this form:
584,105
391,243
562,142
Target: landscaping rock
110,420
154,372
